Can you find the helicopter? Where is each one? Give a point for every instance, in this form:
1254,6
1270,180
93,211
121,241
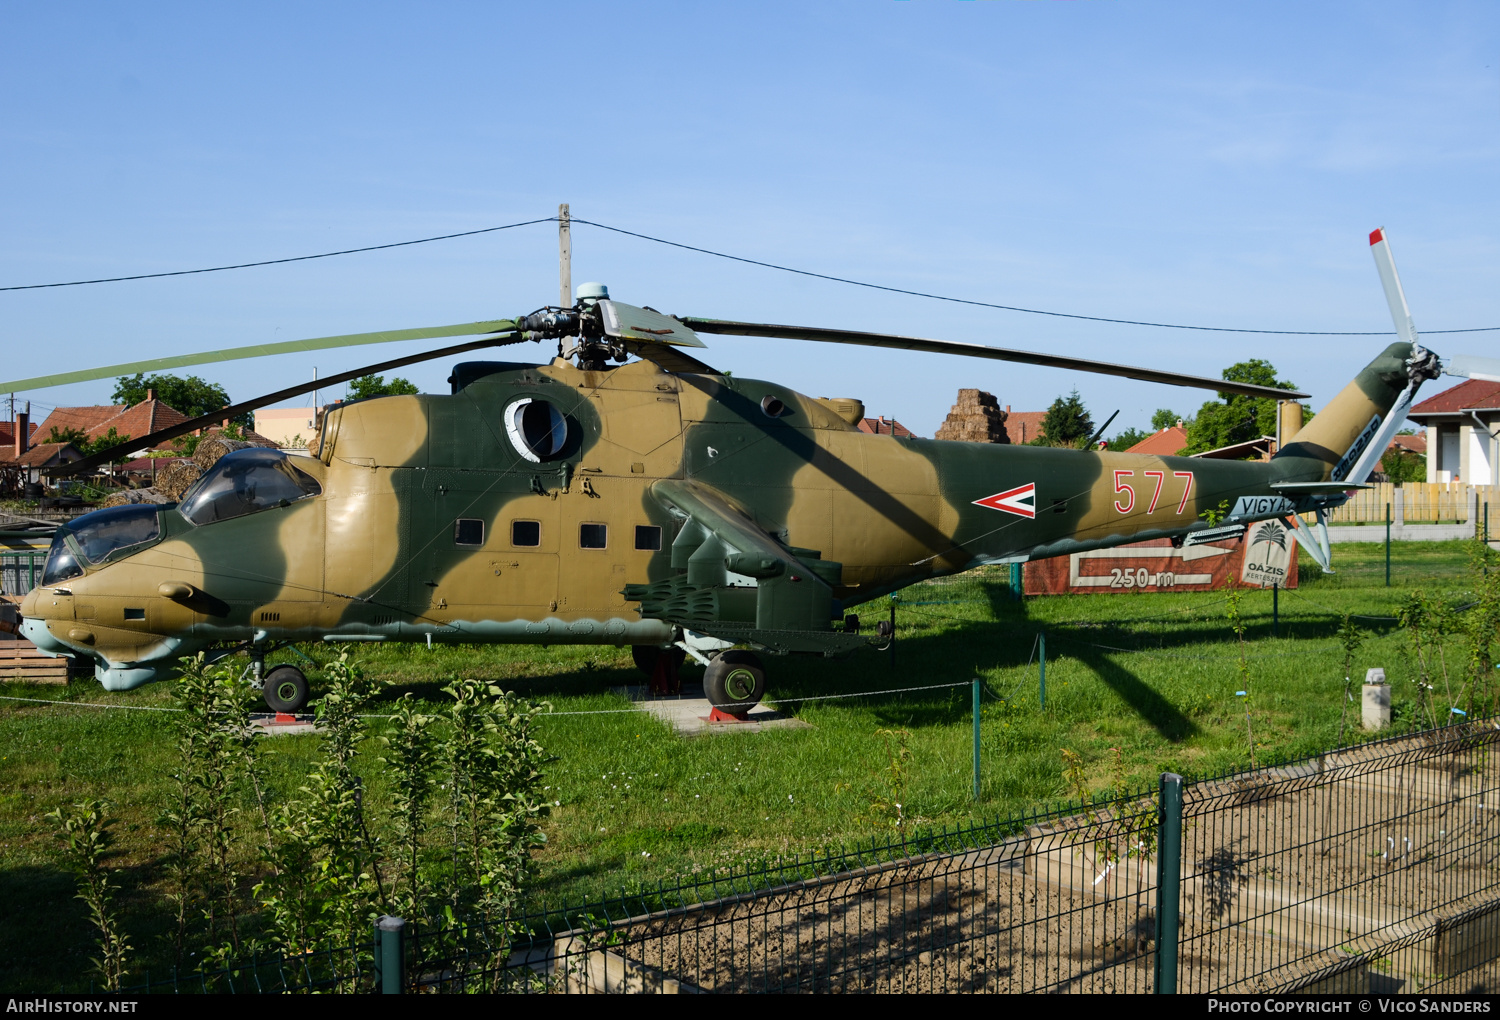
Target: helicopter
627,493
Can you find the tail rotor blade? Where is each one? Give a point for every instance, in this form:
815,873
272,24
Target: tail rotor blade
1380,247
1472,366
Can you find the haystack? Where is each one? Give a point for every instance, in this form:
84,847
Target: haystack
976,418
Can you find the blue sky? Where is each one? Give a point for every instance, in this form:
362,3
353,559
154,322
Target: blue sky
1213,164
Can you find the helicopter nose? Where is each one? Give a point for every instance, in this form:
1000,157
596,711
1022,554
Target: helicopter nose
35,630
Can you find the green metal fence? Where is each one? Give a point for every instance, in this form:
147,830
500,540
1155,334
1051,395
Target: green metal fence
21,571
1373,868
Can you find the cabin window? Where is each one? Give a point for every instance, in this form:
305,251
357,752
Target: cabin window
526,533
244,482
103,532
468,531
648,537
593,536
61,563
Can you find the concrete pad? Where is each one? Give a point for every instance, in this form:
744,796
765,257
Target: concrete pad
688,712
279,724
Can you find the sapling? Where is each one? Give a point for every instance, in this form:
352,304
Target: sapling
493,767
84,830
1481,625
411,765
325,881
1237,622
1350,638
494,774
1413,615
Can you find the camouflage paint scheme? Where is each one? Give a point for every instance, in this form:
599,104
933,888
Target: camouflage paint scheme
772,528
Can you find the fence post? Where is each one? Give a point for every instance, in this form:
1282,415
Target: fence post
976,738
1387,545
1017,581
1276,610
1042,662
1168,881
390,954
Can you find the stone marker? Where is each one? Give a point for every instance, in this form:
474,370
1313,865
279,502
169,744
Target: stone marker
1375,708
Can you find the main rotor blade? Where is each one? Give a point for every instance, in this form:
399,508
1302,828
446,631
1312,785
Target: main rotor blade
233,410
259,351
913,343
1472,366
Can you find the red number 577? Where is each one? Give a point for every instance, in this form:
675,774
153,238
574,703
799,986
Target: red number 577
1121,485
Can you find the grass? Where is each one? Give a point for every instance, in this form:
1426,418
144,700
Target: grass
1152,675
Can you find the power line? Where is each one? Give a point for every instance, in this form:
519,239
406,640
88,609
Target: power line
752,262
1013,308
277,262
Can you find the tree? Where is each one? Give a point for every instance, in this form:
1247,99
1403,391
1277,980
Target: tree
86,446
192,396
1403,465
1164,418
1237,418
1067,421
376,386
1125,440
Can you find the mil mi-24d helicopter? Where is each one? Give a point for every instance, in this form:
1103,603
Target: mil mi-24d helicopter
654,502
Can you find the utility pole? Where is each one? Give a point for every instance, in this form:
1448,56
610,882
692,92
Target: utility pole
564,256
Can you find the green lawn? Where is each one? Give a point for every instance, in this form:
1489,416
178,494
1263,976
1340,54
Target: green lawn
1153,676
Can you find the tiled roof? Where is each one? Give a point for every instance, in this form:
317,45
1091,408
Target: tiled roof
1262,446
83,418
885,427
141,420
136,421
1412,444
8,433
1164,443
40,455
1024,426
1469,393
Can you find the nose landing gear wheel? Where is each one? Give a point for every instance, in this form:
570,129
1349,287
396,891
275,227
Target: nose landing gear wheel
286,689
735,681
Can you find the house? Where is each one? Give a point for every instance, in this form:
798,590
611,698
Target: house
1463,426
1163,442
284,426
133,420
884,426
22,461
1024,426
1261,448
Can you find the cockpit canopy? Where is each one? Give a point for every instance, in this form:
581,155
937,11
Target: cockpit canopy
244,482
99,536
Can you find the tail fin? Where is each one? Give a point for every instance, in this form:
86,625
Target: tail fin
1333,446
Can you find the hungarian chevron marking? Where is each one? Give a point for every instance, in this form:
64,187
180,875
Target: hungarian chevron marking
1020,501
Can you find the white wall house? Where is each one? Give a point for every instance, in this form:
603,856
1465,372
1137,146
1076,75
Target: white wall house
1463,433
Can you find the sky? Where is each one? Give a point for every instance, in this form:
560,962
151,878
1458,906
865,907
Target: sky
1205,164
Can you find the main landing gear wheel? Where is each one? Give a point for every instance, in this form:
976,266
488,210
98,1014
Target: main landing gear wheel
735,681
286,689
